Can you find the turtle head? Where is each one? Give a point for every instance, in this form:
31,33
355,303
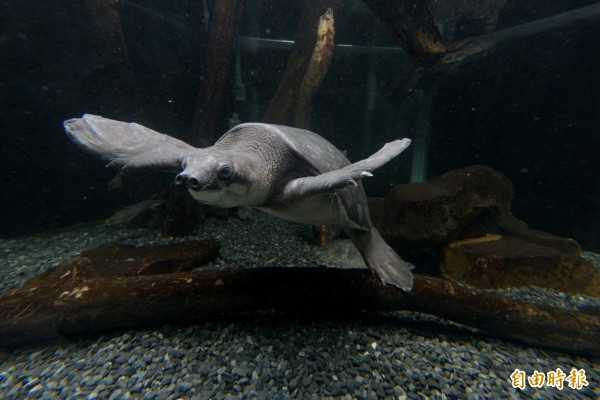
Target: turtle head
217,178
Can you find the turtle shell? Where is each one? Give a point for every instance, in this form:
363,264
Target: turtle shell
304,153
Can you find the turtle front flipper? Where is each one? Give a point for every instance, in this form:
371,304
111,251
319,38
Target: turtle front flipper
331,181
126,144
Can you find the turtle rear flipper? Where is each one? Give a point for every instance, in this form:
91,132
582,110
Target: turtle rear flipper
382,259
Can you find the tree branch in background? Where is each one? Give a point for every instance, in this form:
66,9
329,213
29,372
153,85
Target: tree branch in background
317,69
221,42
413,27
281,109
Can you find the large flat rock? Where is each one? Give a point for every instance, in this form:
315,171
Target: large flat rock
465,202
495,261
459,225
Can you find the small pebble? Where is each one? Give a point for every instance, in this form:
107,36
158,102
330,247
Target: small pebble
184,386
36,391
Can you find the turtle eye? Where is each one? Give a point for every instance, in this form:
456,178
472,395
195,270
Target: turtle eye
225,173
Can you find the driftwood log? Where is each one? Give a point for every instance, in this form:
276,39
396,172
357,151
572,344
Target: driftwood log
120,286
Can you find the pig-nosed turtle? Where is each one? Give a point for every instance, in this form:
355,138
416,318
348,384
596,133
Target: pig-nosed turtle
287,172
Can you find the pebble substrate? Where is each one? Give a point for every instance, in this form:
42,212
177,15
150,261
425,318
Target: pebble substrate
267,355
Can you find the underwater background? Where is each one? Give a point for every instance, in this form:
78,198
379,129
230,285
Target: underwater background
517,90
528,108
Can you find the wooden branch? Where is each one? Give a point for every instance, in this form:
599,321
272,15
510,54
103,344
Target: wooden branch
413,26
317,69
78,298
485,42
223,28
283,104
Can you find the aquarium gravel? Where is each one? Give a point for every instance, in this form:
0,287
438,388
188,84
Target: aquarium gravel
269,355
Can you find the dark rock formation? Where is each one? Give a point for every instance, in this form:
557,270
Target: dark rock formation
465,202
516,228
495,261
459,224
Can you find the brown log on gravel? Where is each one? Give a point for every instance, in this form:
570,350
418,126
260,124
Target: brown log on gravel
78,298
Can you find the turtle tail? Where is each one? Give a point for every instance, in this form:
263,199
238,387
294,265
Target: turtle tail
382,259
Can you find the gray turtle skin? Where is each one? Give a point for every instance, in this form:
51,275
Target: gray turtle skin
290,173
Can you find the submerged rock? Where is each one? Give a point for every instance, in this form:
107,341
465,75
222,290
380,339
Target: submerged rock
495,261
465,202
514,227
459,225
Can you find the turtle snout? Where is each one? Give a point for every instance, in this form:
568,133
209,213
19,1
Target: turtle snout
189,181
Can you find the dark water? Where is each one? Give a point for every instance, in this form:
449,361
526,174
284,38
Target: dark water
529,108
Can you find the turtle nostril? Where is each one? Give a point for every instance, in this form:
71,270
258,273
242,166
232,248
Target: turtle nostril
185,179
193,183
181,179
